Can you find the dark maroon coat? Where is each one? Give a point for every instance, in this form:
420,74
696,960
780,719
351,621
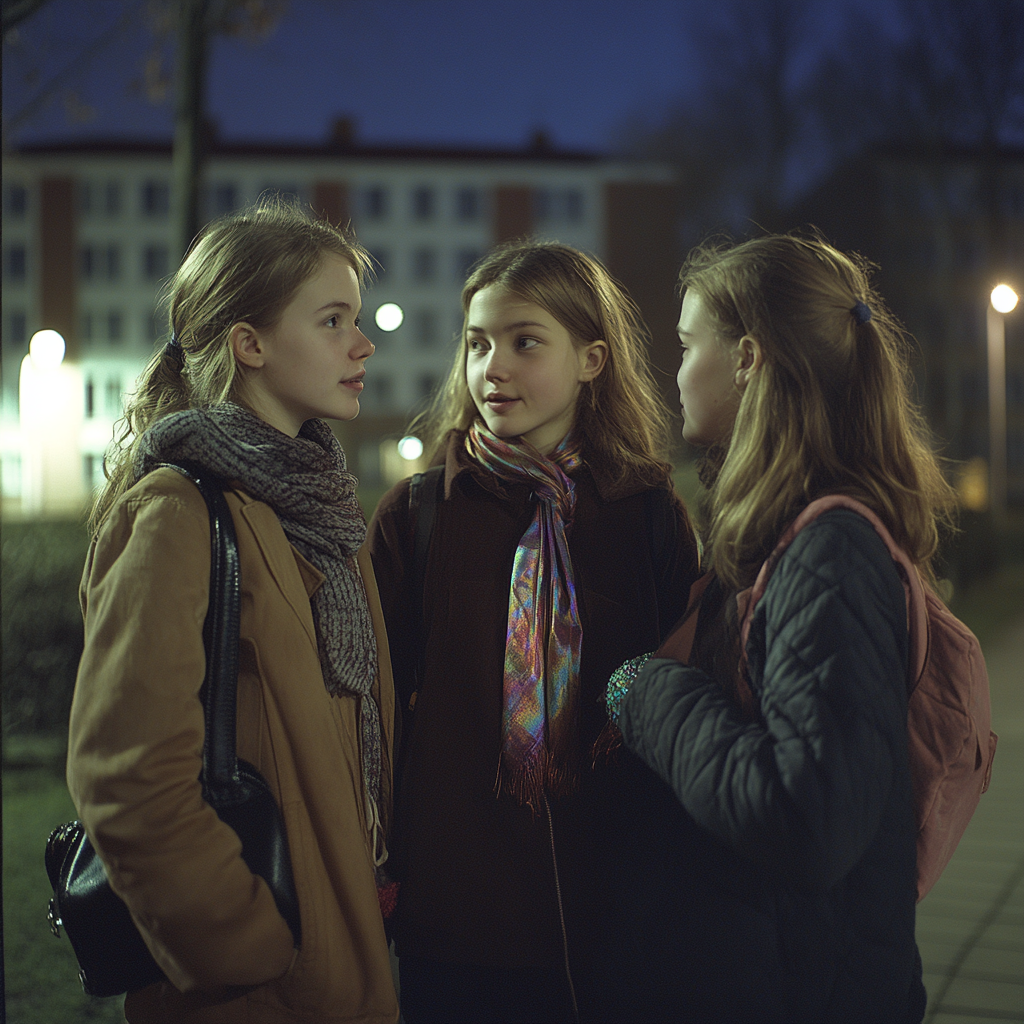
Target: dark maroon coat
478,885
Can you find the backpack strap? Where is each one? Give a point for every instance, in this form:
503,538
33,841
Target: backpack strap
917,608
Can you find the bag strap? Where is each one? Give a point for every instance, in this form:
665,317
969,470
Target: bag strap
424,494
917,607
220,776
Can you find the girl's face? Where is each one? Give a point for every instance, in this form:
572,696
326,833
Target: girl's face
310,364
709,393
523,368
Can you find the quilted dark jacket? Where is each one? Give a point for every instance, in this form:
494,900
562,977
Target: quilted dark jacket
792,838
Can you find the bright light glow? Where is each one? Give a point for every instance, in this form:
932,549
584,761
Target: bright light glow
389,317
410,448
1004,298
47,350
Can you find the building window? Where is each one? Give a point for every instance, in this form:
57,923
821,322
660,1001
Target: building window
154,262
156,198
86,326
375,202
558,205
113,397
424,265
90,398
15,200
464,260
467,204
223,199
115,326
15,264
423,203
17,331
87,262
573,202
426,328
84,191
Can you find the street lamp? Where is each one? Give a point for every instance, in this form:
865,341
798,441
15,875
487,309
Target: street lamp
1003,301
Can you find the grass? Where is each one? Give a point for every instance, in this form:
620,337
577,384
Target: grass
41,973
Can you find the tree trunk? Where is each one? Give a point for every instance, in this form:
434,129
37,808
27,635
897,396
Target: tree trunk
189,126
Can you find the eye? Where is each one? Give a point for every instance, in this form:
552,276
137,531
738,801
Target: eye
356,321
332,321
475,345
527,343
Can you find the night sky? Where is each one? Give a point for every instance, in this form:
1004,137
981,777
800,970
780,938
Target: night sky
459,72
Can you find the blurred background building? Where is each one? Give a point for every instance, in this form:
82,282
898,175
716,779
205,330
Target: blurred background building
88,246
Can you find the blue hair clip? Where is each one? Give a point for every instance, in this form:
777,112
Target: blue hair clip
173,347
861,312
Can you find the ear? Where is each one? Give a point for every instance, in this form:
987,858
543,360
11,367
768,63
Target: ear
593,358
246,345
749,359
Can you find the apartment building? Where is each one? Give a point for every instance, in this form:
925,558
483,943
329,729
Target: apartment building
87,251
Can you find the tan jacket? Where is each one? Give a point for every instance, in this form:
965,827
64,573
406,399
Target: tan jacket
134,759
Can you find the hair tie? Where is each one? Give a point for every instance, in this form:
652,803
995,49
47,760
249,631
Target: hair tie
861,312
173,348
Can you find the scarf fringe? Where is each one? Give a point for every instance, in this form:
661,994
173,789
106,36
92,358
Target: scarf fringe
527,784
607,746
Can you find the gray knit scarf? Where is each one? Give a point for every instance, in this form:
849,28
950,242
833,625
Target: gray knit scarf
305,481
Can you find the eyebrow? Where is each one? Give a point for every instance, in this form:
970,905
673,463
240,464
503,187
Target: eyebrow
332,305
518,325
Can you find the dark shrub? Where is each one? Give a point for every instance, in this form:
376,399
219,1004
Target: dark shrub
42,623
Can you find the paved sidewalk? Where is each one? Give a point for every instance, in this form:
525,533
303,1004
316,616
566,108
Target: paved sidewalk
970,927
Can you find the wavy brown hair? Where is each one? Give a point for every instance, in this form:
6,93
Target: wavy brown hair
246,266
620,415
828,412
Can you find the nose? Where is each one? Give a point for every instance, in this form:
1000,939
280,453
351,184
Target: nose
364,348
496,368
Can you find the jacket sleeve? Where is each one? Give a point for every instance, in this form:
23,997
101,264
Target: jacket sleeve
135,753
802,790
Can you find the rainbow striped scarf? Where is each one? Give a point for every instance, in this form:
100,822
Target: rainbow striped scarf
542,645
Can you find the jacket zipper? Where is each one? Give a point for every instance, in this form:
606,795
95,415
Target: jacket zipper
561,913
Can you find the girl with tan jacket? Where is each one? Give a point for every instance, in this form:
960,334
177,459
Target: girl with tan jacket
265,340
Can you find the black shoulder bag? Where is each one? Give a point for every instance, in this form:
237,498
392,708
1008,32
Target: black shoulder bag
110,951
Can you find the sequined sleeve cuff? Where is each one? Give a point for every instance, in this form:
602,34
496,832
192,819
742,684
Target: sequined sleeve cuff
620,682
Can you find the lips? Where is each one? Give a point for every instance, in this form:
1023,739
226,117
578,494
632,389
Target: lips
499,402
355,381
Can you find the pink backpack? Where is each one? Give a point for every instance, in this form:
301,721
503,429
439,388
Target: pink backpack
949,715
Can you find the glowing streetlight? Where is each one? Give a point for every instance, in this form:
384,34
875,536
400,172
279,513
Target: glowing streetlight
1003,301
46,350
1004,298
389,316
410,448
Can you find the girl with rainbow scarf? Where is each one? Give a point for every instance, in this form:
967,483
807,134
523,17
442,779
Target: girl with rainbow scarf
558,550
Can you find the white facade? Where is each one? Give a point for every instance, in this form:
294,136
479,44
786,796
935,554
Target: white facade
426,217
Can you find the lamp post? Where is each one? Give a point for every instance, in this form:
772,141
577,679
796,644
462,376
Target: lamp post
1003,301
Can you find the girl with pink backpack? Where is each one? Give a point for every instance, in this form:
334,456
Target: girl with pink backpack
786,810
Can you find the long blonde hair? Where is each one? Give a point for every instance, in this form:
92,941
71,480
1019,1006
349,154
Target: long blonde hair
620,414
246,266
830,409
